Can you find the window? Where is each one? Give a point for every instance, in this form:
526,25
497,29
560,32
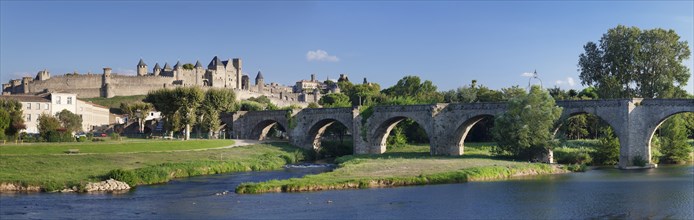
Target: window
57,100
28,117
28,105
46,107
69,100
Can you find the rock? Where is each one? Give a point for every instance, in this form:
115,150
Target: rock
108,186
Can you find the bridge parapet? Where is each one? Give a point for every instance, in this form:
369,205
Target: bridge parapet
667,102
593,103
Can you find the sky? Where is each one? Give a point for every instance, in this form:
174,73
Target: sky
448,42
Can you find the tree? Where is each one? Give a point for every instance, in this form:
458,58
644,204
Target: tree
334,100
188,66
49,128
16,117
216,101
178,106
138,111
512,92
5,121
313,105
629,62
71,122
607,152
525,129
673,141
411,86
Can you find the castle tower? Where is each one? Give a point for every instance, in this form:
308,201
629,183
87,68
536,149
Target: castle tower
259,81
106,90
157,69
43,75
167,67
141,68
177,70
199,72
217,72
239,75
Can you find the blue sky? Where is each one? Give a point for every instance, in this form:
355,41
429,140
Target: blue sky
449,43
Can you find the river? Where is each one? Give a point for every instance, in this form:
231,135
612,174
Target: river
665,192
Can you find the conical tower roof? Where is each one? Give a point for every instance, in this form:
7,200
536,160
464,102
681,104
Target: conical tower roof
157,67
166,66
198,65
141,63
214,63
259,76
178,65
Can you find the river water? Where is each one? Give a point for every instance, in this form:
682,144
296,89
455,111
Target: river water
665,192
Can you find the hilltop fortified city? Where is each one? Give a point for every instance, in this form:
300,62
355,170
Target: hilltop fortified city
217,74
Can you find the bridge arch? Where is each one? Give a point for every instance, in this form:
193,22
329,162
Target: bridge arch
382,129
657,116
317,130
464,128
261,129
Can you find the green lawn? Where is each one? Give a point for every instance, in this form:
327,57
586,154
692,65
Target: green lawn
114,102
126,146
40,168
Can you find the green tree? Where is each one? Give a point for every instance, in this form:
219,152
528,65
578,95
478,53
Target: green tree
334,100
412,86
178,106
5,121
525,129
607,152
14,109
137,111
215,102
188,66
313,105
48,127
673,141
71,122
246,105
512,92
630,62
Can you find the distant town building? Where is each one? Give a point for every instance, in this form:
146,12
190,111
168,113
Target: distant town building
33,105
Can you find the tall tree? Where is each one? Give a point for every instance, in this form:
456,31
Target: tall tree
216,101
70,121
16,124
334,100
525,129
630,62
137,111
412,86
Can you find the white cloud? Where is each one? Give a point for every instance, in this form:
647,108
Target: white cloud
569,81
527,74
321,55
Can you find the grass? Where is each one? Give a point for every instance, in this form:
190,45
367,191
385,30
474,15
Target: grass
126,146
49,170
409,165
114,102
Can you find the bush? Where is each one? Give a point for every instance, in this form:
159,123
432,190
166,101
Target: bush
114,136
52,186
607,152
577,167
82,139
126,176
572,156
639,161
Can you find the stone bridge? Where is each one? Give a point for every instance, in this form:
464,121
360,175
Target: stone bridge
634,122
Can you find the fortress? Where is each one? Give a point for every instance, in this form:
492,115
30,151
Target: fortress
218,74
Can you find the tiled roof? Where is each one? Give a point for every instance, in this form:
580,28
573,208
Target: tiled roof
26,98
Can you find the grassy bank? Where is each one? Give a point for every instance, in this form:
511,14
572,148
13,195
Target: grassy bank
126,146
410,165
55,171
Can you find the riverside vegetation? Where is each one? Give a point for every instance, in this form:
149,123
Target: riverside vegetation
46,167
408,165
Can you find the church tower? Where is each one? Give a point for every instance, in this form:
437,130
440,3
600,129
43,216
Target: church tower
141,68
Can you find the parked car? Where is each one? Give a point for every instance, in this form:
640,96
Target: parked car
81,134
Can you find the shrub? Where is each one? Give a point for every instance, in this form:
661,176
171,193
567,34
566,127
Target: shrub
572,156
114,136
52,186
607,152
127,176
639,161
577,167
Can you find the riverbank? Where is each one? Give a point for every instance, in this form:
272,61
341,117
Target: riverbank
403,167
47,168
